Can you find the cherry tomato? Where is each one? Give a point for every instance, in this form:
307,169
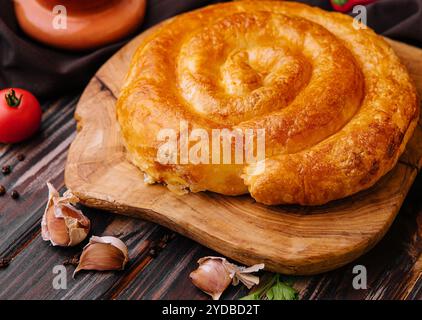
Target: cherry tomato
20,115
347,5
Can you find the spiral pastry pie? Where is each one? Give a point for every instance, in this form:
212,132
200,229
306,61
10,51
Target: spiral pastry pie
336,104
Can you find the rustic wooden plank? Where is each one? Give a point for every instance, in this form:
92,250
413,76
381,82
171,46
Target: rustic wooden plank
36,254
394,268
416,293
394,265
45,156
321,238
167,277
30,274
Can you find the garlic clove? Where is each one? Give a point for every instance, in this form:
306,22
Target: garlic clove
76,233
103,254
215,274
211,277
49,210
62,224
54,229
113,241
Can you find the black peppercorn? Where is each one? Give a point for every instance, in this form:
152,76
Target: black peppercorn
21,157
153,253
4,263
14,194
2,190
6,170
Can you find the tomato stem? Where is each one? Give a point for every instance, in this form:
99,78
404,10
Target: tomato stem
12,100
340,2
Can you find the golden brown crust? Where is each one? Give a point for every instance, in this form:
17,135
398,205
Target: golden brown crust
337,105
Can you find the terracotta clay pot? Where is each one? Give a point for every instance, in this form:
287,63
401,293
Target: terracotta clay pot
90,23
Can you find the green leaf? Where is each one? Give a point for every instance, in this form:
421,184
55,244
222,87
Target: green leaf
275,289
252,296
281,291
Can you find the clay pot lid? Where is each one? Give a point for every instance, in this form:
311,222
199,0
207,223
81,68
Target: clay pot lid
89,24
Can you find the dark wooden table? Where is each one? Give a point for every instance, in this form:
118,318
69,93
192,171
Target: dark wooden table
394,266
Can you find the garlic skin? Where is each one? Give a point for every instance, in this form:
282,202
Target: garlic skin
62,224
211,277
215,274
103,254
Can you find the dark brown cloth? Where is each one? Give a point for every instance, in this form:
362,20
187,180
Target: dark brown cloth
49,72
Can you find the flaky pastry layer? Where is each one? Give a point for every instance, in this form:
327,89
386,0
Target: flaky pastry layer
337,105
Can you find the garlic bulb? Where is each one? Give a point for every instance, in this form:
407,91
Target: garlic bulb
103,254
215,274
62,224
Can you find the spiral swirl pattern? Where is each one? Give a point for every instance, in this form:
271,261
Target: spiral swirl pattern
337,105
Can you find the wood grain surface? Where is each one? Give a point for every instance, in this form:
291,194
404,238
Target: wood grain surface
394,265
288,239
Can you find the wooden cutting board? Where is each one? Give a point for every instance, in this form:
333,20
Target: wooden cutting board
288,239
